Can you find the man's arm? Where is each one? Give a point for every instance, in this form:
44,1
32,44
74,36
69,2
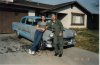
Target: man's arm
61,28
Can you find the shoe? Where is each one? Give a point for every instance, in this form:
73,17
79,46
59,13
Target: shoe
33,52
60,55
56,54
30,52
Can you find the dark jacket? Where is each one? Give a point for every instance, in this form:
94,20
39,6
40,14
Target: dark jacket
56,26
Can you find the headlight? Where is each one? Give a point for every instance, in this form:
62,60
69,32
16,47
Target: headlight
51,35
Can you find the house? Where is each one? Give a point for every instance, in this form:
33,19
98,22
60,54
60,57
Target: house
13,10
72,14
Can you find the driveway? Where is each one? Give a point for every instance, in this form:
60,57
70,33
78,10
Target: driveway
13,51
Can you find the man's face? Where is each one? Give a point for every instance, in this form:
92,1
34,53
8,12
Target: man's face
53,17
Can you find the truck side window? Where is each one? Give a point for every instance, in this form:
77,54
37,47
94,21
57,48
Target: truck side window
34,23
23,20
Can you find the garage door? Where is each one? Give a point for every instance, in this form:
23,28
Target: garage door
6,19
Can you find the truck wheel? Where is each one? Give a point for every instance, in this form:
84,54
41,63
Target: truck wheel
42,45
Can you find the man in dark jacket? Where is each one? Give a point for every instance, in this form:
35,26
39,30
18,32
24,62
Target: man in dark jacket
57,27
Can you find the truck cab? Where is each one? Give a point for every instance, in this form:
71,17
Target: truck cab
26,26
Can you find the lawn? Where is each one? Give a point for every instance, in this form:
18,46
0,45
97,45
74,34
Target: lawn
88,40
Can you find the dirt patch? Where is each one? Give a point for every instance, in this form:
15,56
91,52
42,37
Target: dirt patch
11,44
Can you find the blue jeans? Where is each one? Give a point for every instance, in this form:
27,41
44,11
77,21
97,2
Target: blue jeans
37,38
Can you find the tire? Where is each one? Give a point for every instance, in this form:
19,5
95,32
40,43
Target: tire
42,45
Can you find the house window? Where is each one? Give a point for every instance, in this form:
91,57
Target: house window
77,19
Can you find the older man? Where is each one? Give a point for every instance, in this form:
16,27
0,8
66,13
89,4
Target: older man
57,26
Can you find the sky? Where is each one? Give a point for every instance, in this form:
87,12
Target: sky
88,4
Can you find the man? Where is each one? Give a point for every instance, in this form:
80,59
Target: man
57,27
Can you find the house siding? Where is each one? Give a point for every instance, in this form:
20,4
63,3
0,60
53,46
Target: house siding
31,13
66,20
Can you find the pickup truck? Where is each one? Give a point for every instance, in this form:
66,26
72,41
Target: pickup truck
26,28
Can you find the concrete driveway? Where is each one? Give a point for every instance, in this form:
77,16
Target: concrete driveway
13,52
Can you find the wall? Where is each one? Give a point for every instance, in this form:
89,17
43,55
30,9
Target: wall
7,0
6,19
31,13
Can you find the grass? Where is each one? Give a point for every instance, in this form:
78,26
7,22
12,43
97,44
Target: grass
88,40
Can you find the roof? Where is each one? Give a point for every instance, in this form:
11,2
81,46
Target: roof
35,17
32,4
26,3
91,5
66,4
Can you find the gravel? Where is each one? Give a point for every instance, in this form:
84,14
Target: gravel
11,44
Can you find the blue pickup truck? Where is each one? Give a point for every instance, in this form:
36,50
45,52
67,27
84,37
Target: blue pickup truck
26,28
